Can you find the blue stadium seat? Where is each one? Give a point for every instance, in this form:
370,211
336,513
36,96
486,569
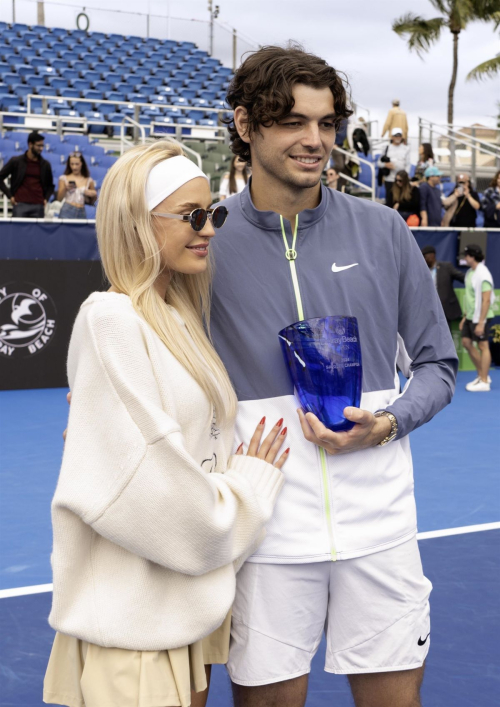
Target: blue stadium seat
9,102
49,91
140,71
114,96
105,108
187,93
175,83
24,70
59,64
154,81
59,104
137,97
10,79
92,95
69,93
58,82
102,86
70,74
81,84
21,90
207,122
79,66
82,107
92,115
98,173
47,71
93,76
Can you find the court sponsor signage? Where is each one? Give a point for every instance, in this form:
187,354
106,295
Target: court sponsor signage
39,301
27,319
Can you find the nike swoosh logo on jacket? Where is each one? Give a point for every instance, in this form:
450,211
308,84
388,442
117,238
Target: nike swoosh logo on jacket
355,504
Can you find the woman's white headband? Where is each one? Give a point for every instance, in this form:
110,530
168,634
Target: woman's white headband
168,176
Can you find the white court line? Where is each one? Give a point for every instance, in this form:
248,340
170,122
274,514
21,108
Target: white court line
22,591
41,588
457,531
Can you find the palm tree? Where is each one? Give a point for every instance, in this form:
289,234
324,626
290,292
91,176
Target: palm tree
455,15
491,67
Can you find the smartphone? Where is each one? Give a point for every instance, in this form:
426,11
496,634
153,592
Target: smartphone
460,189
72,184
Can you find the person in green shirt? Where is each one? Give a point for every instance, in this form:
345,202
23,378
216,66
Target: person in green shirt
475,325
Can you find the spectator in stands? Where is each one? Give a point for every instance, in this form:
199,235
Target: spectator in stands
425,159
475,325
147,540
31,181
234,181
491,203
443,275
76,188
396,118
462,205
399,159
333,179
357,135
431,206
404,197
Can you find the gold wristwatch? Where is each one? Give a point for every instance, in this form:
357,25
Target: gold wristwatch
394,426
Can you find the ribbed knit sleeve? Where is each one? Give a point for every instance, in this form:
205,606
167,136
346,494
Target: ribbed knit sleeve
126,471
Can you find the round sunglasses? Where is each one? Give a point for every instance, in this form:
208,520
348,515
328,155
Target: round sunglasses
198,217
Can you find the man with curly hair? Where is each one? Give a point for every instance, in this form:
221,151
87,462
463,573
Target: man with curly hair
340,555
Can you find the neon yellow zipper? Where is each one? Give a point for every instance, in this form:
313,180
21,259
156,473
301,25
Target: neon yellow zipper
291,256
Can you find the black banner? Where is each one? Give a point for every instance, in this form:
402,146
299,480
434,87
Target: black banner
39,301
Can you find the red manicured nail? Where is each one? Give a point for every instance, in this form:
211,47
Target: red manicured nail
283,431
263,420
280,422
241,445
287,450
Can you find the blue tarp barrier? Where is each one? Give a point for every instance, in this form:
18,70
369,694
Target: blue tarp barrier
45,240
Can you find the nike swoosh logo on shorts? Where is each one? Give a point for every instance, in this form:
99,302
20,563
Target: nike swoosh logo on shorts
420,642
339,268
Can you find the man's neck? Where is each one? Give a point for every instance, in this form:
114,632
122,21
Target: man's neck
32,156
269,195
474,265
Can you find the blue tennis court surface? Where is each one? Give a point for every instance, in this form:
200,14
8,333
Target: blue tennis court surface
456,482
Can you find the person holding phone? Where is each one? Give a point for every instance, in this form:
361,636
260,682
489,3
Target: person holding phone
76,188
462,205
153,513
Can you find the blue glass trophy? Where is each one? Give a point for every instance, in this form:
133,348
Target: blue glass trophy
323,356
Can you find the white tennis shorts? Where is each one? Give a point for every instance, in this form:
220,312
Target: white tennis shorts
374,611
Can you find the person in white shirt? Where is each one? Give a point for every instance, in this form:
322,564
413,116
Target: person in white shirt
399,158
234,181
153,514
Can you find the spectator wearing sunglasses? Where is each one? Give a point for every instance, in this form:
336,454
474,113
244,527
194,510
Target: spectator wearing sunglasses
462,205
404,197
153,512
76,188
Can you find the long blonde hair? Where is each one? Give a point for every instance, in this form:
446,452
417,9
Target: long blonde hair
131,259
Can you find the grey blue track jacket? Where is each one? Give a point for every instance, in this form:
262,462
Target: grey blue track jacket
353,258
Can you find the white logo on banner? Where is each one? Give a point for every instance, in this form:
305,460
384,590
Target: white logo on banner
27,320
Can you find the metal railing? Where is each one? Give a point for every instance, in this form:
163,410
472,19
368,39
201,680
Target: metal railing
359,185
457,139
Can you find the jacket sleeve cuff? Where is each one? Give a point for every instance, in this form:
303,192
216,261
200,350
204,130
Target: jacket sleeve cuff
265,479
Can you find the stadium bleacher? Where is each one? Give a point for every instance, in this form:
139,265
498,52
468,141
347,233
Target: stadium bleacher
85,68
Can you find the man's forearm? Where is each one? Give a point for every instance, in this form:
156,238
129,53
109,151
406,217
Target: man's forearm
485,305
423,216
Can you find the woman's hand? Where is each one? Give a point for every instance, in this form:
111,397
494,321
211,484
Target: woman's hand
269,448
461,325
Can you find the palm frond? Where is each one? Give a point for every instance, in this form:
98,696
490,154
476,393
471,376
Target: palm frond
486,70
421,33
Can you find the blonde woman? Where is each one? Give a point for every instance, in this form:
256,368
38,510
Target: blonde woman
152,515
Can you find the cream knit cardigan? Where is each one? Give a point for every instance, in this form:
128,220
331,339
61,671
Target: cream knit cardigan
150,512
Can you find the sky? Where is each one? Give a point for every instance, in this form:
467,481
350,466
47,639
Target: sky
354,36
